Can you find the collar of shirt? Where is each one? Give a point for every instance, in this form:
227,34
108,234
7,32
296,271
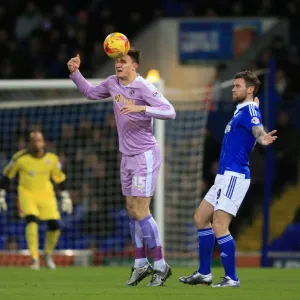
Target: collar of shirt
239,106
133,83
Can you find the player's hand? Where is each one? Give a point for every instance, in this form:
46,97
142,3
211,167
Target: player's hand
66,202
3,205
256,100
269,138
74,64
131,108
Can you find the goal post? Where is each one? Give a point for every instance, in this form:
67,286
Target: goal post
159,196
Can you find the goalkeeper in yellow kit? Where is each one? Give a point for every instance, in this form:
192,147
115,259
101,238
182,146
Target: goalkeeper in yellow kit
36,169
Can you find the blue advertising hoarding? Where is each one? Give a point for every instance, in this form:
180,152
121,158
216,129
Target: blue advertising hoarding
215,40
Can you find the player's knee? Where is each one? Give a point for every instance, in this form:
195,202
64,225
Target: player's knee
131,210
142,214
220,228
200,220
196,218
31,218
138,213
53,225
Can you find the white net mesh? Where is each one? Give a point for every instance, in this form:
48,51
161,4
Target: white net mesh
83,134
183,175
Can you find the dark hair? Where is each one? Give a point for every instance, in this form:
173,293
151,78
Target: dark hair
135,55
35,130
250,79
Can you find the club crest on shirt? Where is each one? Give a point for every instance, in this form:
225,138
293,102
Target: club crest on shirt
48,161
156,94
117,97
131,93
228,128
31,173
255,120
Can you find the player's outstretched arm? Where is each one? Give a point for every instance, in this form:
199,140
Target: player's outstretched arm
262,137
86,88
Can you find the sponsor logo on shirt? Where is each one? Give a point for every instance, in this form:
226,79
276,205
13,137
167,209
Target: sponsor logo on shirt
121,98
128,101
34,173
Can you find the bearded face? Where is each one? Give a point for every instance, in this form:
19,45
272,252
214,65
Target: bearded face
240,91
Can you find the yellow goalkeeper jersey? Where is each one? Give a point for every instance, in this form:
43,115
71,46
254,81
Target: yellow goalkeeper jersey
35,174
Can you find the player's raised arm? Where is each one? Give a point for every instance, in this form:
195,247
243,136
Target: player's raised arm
86,88
59,178
159,107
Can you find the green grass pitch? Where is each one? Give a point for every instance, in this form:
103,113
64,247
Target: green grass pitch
103,283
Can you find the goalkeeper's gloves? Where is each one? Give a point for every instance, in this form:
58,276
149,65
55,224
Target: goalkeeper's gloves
3,205
66,202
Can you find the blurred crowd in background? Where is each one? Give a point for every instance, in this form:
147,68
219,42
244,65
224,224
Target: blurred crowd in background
38,37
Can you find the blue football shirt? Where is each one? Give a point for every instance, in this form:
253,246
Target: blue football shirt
238,141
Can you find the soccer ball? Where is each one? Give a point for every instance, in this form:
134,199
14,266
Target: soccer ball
116,45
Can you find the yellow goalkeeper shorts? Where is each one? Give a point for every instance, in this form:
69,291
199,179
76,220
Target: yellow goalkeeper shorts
43,207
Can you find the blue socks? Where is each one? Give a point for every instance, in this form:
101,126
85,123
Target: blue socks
206,242
227,252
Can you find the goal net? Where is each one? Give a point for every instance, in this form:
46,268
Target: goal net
83,133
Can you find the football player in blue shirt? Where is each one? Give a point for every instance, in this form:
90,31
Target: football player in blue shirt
224,198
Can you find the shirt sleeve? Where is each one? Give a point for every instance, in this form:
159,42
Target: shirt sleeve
57,175
251,118
11,169
158,106
97,92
